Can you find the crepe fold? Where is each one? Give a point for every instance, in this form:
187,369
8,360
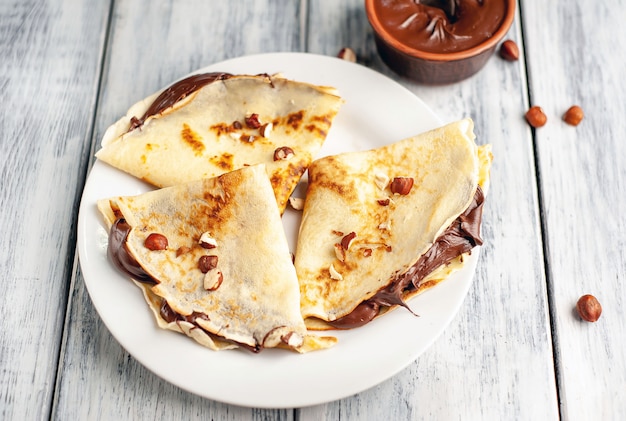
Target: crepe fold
210,124
370,216
246,294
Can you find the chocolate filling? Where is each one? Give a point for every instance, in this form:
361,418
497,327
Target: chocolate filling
175,93
459,238
119,255
117,252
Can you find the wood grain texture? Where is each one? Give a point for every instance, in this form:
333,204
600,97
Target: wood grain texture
495,359
59,59
151,44
49,68
578,59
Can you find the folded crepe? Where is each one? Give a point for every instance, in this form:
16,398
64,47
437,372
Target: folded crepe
213,261
209,124
383,225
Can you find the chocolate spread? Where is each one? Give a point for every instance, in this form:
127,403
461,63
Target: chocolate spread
175,93
440,26
459,238
119,255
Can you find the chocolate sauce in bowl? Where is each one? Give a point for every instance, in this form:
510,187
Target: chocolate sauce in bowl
441,26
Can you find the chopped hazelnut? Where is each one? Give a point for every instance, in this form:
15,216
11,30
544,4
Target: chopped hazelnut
381,180
266,130
347,54
297,203
253,121
401,185
334,274
283,153
213,279
347,240
207,242
206,263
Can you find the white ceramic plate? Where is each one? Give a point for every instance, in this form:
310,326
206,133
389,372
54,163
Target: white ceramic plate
377,111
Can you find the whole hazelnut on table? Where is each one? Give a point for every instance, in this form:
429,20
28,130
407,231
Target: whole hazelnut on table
574,115
536,117
509,50
589,308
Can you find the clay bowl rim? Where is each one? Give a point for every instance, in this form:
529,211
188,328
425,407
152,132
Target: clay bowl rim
443,57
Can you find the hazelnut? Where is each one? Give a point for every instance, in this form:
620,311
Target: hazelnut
297,203
247,138
589,308
266,130
509,50
334,274
253,121
155,242
237,125
207,242
536,117
574,115
213,279
381,180
401,185
347,240
347,54
206,263
367,252
283,153
383,202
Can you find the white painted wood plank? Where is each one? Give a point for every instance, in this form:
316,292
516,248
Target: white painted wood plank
49,62
495,359
151,44
577,57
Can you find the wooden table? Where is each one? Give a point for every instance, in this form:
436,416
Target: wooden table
554,225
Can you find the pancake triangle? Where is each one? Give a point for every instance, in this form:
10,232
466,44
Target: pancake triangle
209,124
213,262
382,225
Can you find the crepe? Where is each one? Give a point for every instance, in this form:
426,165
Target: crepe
209,124
373,223
213,261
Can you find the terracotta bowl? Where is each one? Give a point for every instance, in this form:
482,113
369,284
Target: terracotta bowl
435,68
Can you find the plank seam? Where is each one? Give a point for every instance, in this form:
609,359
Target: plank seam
543,228
72,255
